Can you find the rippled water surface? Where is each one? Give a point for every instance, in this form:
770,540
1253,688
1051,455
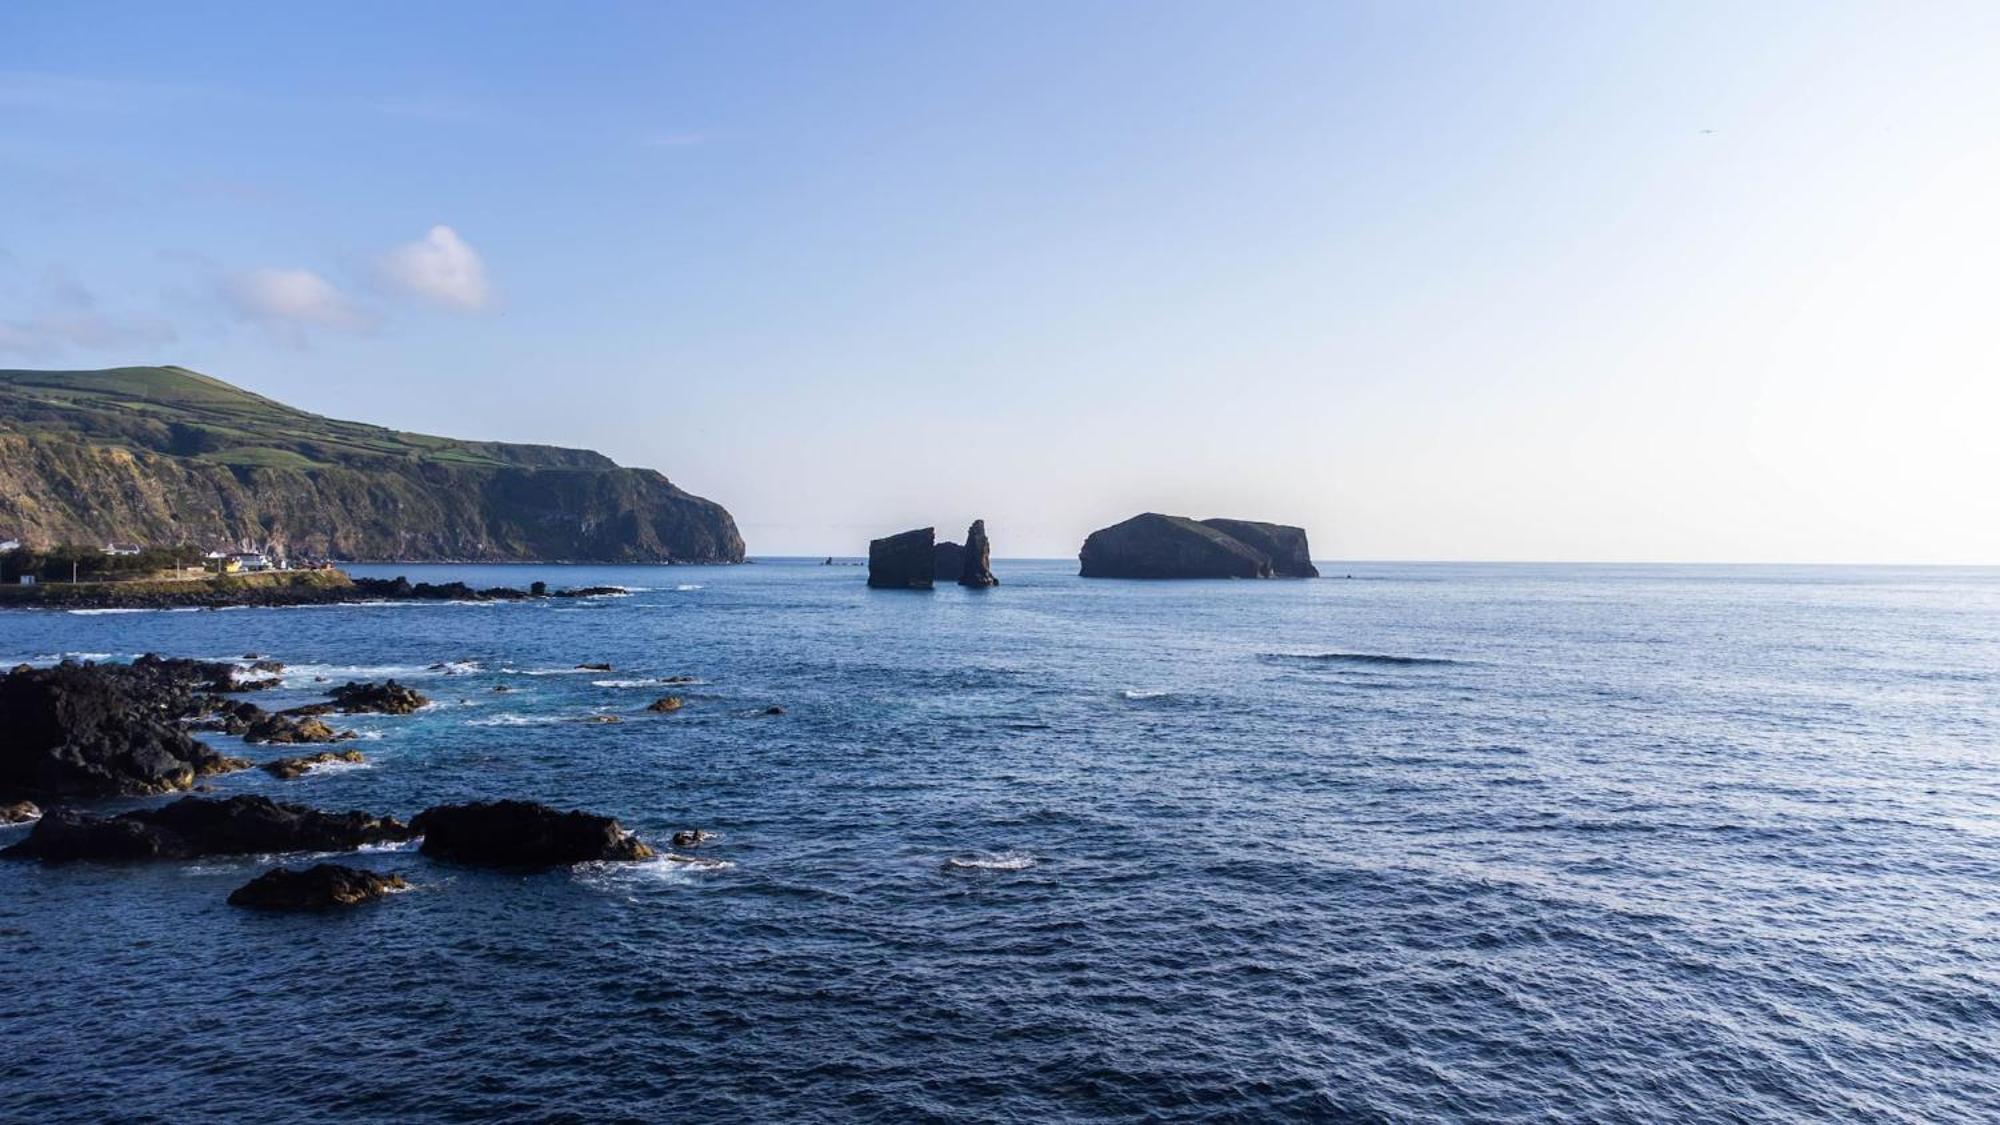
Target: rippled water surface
1437,842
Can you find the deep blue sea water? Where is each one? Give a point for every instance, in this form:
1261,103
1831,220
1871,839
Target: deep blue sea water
1493,843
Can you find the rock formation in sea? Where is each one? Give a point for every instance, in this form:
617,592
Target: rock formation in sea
106,730
950,561
523,834
903,562
1285,546
976,567
1160,546
285,769
386,698
199,826
318,887
164,455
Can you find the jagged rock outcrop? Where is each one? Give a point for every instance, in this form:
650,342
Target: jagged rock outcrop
385,698
198,826
285,769
163,455
1160,546
976,568
318,887
19,812
950,559
523,834
102,730
903,562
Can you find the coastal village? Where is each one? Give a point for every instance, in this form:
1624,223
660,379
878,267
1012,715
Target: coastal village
71,564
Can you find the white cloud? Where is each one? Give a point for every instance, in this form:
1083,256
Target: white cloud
282,297
441,268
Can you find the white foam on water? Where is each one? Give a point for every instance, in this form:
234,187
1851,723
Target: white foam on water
687,587
392,846
1005,861
510,719
106,612
633,683
1143,693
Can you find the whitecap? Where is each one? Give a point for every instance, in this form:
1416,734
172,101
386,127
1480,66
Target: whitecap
1143,693
687,587
510,719
104,612
1005,861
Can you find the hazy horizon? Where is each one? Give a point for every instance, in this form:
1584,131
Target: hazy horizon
1581,283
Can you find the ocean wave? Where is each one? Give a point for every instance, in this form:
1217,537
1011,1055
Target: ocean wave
1144,693
511,719
1351,658
1005,861
687,587
107,612
625,683
392,846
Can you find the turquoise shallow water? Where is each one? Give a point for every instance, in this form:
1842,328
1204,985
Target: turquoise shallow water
1498,843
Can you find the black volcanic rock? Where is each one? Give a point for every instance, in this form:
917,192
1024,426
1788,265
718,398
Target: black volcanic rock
385,698
977,568
317,887
1157,546
1284,545
523,834
950,561
198,826
903,562
102,730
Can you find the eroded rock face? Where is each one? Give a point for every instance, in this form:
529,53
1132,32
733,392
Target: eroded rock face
666,703
289,730
385,698
318,887
199,826
903,562
523,834
976,569
950,560
1284,545
19,812
102,730
1160,546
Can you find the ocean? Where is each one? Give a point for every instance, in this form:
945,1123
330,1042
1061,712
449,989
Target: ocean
1412,842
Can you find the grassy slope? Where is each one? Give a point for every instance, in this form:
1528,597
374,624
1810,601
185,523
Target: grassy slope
185,413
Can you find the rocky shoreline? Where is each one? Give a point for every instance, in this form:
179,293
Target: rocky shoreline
285,588
80,733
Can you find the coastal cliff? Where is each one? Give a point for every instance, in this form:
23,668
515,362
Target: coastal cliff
163,455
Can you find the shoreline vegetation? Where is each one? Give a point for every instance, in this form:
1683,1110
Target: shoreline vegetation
269,588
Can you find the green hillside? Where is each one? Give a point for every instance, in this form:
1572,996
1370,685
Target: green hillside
187,414
164,455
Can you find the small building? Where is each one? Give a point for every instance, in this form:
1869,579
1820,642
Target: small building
27,580
249,561
122,550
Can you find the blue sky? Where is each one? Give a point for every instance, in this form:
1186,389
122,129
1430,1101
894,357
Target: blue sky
1493,281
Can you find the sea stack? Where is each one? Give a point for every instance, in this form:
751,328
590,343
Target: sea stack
976,569
1160,546
903,562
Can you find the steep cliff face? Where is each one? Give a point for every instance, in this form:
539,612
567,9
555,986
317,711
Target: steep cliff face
161,456
1159,546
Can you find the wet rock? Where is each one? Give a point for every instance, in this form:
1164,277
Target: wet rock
666,703
692,838
200,826
286,730
680,680
314,888
591,591
385,698
502,688
600,719
101,730
19,812
523,834
285,769
976,569
538,589
774,709
597,667
903,562
267,666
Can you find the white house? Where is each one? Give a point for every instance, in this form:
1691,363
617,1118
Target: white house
122,549
250,560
